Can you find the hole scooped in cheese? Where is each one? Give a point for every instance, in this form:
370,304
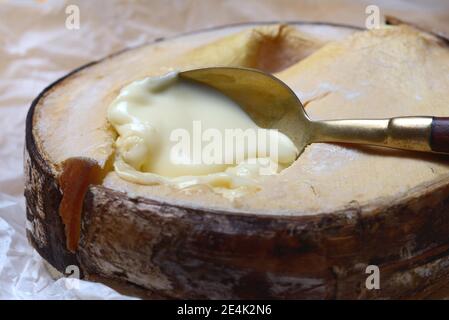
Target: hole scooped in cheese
183,133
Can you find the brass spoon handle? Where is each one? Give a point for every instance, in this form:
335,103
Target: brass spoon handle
430,134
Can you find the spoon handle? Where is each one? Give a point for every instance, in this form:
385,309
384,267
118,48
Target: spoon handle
429,134
439,135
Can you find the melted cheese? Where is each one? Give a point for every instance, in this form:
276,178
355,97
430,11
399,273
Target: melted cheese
182,133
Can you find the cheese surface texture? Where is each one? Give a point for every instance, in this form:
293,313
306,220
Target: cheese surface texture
337,73
183,133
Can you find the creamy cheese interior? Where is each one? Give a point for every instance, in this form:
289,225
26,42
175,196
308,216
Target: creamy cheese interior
183,133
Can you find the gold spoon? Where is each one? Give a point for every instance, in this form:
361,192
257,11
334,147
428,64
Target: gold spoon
272,104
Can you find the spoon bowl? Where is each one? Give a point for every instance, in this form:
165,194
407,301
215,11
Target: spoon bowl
268,101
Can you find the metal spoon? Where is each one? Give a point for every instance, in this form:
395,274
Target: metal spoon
272,104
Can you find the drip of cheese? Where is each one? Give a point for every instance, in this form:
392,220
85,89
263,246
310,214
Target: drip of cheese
183,133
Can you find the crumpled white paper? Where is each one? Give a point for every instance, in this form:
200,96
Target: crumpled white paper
22,271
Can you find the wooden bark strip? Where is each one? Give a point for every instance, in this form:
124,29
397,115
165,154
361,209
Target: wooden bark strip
187,252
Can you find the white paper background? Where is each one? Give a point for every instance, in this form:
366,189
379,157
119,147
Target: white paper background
36,49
